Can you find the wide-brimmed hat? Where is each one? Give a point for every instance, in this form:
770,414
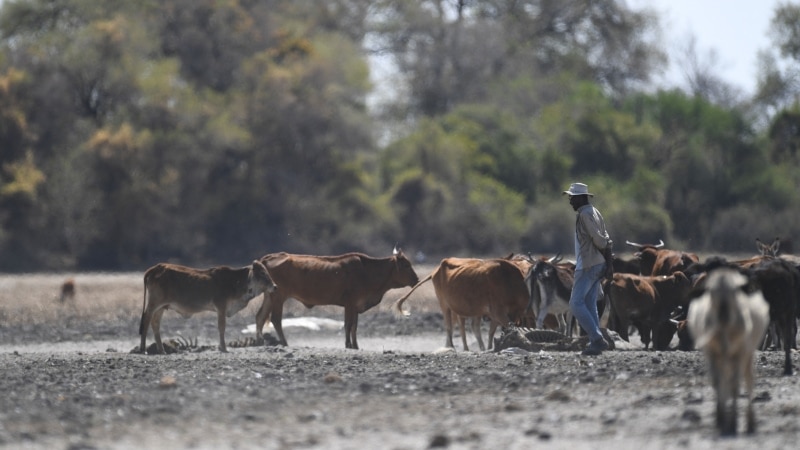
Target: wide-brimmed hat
578,189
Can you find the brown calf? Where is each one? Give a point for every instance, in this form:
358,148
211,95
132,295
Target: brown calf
188,291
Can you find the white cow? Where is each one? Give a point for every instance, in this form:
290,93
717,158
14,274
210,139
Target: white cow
728,324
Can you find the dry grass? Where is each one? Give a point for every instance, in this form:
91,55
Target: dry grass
33,299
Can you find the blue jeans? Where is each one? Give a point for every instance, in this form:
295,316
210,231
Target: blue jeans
583,301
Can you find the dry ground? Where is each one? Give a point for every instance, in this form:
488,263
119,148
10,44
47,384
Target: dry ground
68,380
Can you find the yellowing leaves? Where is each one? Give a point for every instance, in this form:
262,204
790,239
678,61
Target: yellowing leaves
122,142
24,177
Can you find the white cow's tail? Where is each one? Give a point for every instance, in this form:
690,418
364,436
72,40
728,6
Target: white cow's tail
397,307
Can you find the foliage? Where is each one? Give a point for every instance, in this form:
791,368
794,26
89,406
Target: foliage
209,132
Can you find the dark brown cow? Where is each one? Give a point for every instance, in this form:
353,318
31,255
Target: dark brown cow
188,291
354,281
475,288
646,302
632,265
779,281
655,260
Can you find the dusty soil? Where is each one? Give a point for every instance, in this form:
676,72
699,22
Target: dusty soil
69,381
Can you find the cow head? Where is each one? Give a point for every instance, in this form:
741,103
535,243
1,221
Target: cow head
646,255
768,250
404,274
258,281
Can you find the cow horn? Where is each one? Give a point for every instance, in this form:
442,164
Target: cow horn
396,250
634,244
555,258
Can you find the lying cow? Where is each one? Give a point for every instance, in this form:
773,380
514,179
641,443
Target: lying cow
470,287
188,291
353,280
728,324
646,302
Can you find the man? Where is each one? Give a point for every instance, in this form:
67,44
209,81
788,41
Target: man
592,263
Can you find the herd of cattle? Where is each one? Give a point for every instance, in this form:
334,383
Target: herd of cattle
659,292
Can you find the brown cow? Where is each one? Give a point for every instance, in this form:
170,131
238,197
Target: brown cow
67,290
188,291
353,280
658,261
475,288
645,301
524,264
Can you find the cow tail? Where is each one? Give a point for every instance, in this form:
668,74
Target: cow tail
142,326
397,307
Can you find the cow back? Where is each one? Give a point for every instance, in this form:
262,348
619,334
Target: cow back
351,279
474,287
191,290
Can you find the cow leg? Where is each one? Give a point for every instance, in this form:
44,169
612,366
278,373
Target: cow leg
748,383
147,317
462,328
354,330
622,327
263,315
155,322
476,330
350,323
492,330
541,317
448,327
277,318
221,327
563,328
787,329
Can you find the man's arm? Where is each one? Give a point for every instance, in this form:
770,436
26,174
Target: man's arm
608,255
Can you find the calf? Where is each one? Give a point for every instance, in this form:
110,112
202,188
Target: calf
646,302
189,291
728,324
